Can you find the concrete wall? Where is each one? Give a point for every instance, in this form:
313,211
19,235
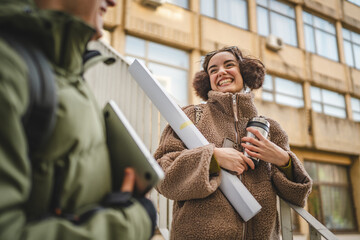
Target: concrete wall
169,24
335,134
215,34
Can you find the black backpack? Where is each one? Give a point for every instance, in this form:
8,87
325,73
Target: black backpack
39,119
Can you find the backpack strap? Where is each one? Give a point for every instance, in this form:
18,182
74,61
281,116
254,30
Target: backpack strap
40,117
198,113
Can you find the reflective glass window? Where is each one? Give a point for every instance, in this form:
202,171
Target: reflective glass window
207,8
328,102
169,65
233,12
352,48
263,18
282,91
330,201
355,107
180,3
277,18
320,36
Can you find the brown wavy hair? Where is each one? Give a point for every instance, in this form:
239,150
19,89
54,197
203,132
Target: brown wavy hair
252,71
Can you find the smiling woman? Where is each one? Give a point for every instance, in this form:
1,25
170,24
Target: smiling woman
192,177
252,70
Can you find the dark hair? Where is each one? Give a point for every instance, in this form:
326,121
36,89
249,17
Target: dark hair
252,71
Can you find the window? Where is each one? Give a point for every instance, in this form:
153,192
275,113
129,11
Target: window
169,65
355,107
352,48
320,36
277,18
330,201
328,102
356,2
180,3
282,91
230,11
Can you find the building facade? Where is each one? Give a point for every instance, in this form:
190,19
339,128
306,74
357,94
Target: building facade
311,50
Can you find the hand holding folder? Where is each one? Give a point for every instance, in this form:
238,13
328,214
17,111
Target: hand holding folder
127,150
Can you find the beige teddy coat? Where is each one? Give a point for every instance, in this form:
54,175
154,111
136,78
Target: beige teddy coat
200,210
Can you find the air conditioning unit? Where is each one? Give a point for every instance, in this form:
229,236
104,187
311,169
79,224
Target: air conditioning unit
153,3
274,43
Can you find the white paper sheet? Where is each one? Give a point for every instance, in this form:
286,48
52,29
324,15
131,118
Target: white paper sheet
234,190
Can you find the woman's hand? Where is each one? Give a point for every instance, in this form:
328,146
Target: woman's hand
264,149
233,160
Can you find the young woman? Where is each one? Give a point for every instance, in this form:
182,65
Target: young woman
192,178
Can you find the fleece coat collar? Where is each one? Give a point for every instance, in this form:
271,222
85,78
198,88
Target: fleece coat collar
223,102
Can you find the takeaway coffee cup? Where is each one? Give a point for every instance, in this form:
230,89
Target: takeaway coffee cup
263,126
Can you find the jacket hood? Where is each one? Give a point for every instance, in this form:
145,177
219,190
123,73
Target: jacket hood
245,107
63,37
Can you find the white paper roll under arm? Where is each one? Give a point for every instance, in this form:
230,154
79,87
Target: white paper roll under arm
234,190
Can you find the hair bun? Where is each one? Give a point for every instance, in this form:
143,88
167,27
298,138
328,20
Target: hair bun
201,84
253,72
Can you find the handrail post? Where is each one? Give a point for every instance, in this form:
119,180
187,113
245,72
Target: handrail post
314,234
285,218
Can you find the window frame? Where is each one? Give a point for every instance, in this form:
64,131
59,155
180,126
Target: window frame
148,61
216,14
269,10
274,92
353,109
327,104
352,43
314,28
348,186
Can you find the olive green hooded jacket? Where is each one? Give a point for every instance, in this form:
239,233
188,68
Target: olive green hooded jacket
77,147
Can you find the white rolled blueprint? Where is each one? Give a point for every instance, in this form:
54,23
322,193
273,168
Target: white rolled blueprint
234,190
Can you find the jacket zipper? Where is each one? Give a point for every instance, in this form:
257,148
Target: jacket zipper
236,120
235,111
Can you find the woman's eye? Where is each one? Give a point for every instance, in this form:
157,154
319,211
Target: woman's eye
212,71
230,65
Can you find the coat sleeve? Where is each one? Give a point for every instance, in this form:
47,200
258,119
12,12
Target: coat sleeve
187,174
297,190
131,222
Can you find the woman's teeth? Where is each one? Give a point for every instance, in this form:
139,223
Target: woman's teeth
224,81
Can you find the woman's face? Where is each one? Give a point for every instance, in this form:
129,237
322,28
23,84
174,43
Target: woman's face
224,73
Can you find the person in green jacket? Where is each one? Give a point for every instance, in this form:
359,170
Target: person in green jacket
65,189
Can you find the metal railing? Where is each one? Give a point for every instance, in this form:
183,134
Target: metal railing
316,229
115,82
